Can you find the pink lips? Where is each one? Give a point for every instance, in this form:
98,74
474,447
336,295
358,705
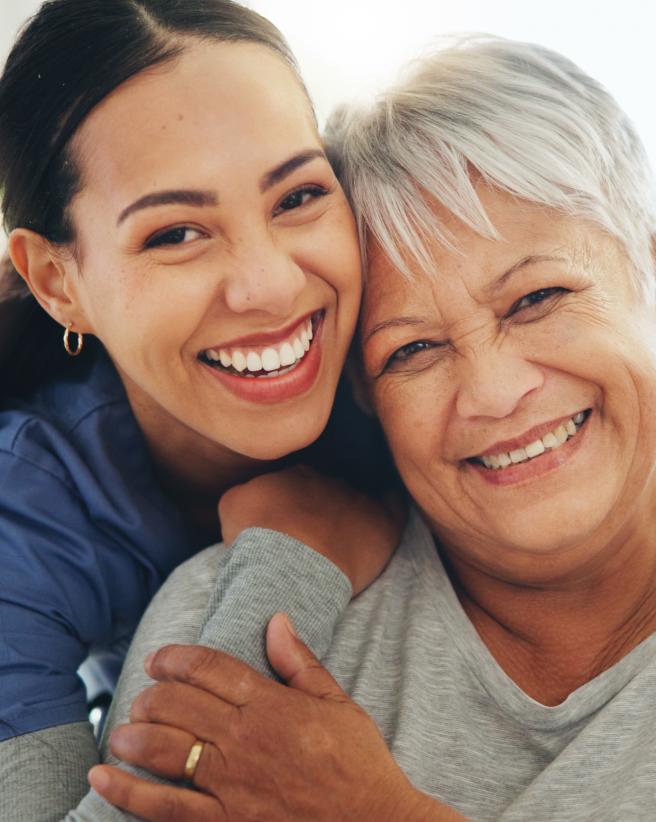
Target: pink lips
535,433
524,471
278,389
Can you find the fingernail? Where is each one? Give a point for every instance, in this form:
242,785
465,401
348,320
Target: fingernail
98,778
290,627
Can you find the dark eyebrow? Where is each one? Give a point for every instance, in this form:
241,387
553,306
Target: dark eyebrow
285,169
532,259
192,197
397,321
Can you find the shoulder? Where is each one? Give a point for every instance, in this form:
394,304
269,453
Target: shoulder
45,431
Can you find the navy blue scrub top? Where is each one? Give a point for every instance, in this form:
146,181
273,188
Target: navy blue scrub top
87,536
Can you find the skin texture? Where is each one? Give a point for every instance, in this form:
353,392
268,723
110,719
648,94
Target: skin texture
254,259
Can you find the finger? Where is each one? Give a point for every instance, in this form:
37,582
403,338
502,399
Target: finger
295,662
213,671
186,707
163,750
154,803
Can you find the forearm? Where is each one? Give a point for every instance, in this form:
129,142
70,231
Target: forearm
224,599
265,572
43,774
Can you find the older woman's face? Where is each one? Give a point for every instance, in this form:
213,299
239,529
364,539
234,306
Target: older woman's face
517,389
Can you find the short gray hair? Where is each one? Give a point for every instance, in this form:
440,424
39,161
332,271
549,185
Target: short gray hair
524,117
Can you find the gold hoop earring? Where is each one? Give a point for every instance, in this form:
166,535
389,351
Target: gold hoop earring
73,352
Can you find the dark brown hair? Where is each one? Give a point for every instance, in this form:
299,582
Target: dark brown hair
67,58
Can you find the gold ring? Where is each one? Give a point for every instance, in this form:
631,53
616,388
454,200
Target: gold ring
192,760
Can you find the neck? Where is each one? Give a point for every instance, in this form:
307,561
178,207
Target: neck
193,471
553,637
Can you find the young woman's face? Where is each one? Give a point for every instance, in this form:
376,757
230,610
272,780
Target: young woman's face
217,255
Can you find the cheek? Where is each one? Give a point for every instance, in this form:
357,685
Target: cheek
413,421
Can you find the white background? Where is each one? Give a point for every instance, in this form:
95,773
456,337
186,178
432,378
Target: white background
349,48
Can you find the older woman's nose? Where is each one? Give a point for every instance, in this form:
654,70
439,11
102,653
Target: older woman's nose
270,282
495,384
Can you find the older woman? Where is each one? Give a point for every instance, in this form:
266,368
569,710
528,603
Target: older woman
508,652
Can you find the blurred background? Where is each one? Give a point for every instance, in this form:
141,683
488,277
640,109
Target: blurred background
349,48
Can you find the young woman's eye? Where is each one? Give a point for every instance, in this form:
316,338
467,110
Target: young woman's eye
536,297
299,198
173,236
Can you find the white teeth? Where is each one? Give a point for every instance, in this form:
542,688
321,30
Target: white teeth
270,359
253,361
238,361
519,455
552,440
536,448
287,356
561,434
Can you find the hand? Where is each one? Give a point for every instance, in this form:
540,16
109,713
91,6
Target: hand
305,752
356,532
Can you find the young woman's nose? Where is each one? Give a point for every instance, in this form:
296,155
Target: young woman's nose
264,279
493,384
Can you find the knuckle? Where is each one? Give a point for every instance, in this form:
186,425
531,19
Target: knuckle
148,704
197,663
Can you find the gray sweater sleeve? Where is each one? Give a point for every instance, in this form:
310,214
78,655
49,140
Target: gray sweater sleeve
224,598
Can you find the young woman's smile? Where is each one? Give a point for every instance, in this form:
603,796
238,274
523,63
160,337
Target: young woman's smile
217,255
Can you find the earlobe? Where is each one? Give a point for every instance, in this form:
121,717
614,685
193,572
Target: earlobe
46,275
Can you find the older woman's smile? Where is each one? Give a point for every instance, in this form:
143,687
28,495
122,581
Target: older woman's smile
508,461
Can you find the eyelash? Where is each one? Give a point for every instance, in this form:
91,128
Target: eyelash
406,352
165,238
543,293
314,192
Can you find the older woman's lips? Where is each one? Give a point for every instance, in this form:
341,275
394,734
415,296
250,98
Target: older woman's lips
536,457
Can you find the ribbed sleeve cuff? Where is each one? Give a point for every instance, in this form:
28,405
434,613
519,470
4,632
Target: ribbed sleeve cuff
264,572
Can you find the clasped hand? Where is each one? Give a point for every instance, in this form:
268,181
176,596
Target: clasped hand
300,751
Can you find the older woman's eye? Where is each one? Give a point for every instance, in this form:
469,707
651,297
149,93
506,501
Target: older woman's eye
299,198
536,297
173,236
406,352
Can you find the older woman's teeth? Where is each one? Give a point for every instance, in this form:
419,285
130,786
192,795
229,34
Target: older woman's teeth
270,360
554,439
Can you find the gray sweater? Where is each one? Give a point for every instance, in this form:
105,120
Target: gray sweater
406,651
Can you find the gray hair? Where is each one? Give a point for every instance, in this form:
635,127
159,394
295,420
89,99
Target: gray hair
525,118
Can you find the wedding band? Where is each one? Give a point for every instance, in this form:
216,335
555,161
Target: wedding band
192,760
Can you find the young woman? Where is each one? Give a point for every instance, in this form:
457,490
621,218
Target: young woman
189,283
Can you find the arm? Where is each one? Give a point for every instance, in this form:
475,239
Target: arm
244,586
51,611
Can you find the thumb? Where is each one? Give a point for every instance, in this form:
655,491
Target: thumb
294,662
